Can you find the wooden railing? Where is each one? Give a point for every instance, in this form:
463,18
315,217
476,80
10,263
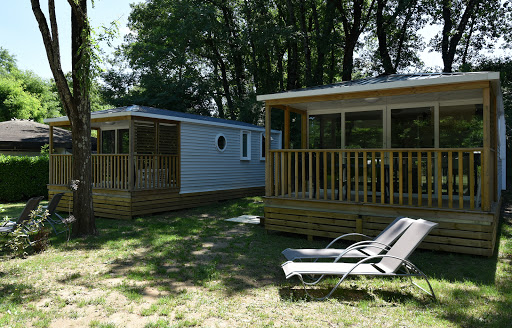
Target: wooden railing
443,178
156,171
112,171
61,169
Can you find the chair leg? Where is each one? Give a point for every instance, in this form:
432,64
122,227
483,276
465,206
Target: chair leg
420,273
304,284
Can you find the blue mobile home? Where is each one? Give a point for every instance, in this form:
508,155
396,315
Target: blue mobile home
152,160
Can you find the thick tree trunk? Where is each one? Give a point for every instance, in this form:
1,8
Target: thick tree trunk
76,103
308,78
82,172
348,57
352,29
292,67
451,39
81,123
382,38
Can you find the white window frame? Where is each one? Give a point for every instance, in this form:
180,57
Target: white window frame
262,144
248,157
217,142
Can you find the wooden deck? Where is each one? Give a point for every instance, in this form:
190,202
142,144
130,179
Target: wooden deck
326,193
460,231
124,204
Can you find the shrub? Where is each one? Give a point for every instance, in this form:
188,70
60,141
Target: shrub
22,177
31,232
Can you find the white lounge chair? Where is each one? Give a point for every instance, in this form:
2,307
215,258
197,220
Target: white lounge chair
369,247
394,263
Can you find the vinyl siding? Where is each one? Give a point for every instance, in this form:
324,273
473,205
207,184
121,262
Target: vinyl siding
204,168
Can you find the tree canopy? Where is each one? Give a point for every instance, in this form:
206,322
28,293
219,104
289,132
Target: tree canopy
212,57
23,94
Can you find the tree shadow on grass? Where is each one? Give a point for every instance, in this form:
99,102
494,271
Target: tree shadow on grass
190,248
18,293
462,309
197,248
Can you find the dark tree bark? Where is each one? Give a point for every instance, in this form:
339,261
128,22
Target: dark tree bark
235,47
293,73
382,38
450,39
308,78
219,61
325,42
388,26
354,23
76,103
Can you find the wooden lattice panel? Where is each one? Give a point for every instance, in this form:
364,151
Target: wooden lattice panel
145,137
167,139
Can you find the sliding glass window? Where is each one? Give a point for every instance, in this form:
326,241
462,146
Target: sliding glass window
364,129
412,127
325,131
461,126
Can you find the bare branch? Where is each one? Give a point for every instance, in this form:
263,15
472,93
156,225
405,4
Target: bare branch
53,56
54,29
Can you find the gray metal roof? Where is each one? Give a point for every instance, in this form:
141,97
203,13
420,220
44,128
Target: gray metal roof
382,82
385,78
171,115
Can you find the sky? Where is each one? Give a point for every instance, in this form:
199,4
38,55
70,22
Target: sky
19,32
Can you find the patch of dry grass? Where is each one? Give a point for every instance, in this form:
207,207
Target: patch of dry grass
191,268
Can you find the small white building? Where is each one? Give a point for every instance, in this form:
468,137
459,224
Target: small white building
152,160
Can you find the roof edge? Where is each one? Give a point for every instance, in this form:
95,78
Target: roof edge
466,77
171,118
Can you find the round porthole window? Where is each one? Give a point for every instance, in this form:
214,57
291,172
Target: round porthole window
221,142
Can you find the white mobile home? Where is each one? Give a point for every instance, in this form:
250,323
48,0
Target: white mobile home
151,160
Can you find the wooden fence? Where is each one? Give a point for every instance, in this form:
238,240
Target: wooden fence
443,178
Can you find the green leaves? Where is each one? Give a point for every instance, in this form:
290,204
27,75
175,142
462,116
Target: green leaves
24,95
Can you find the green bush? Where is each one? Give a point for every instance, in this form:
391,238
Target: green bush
22,177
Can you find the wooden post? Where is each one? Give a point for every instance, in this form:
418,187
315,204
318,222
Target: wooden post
178,159
131,155
50,153
156,167
268,168
98,139
304,130
286,128
486,168
494,118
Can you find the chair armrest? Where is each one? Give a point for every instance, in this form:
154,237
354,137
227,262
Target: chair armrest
382,246
347,235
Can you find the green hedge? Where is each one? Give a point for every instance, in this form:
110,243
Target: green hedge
22,177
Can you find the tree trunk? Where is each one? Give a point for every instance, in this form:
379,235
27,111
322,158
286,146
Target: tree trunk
81,123
293,51
76,103
451,38
348,60
82,172
352,30
382,37
308,78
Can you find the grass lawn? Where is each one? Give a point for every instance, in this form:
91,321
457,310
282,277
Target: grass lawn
191,268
